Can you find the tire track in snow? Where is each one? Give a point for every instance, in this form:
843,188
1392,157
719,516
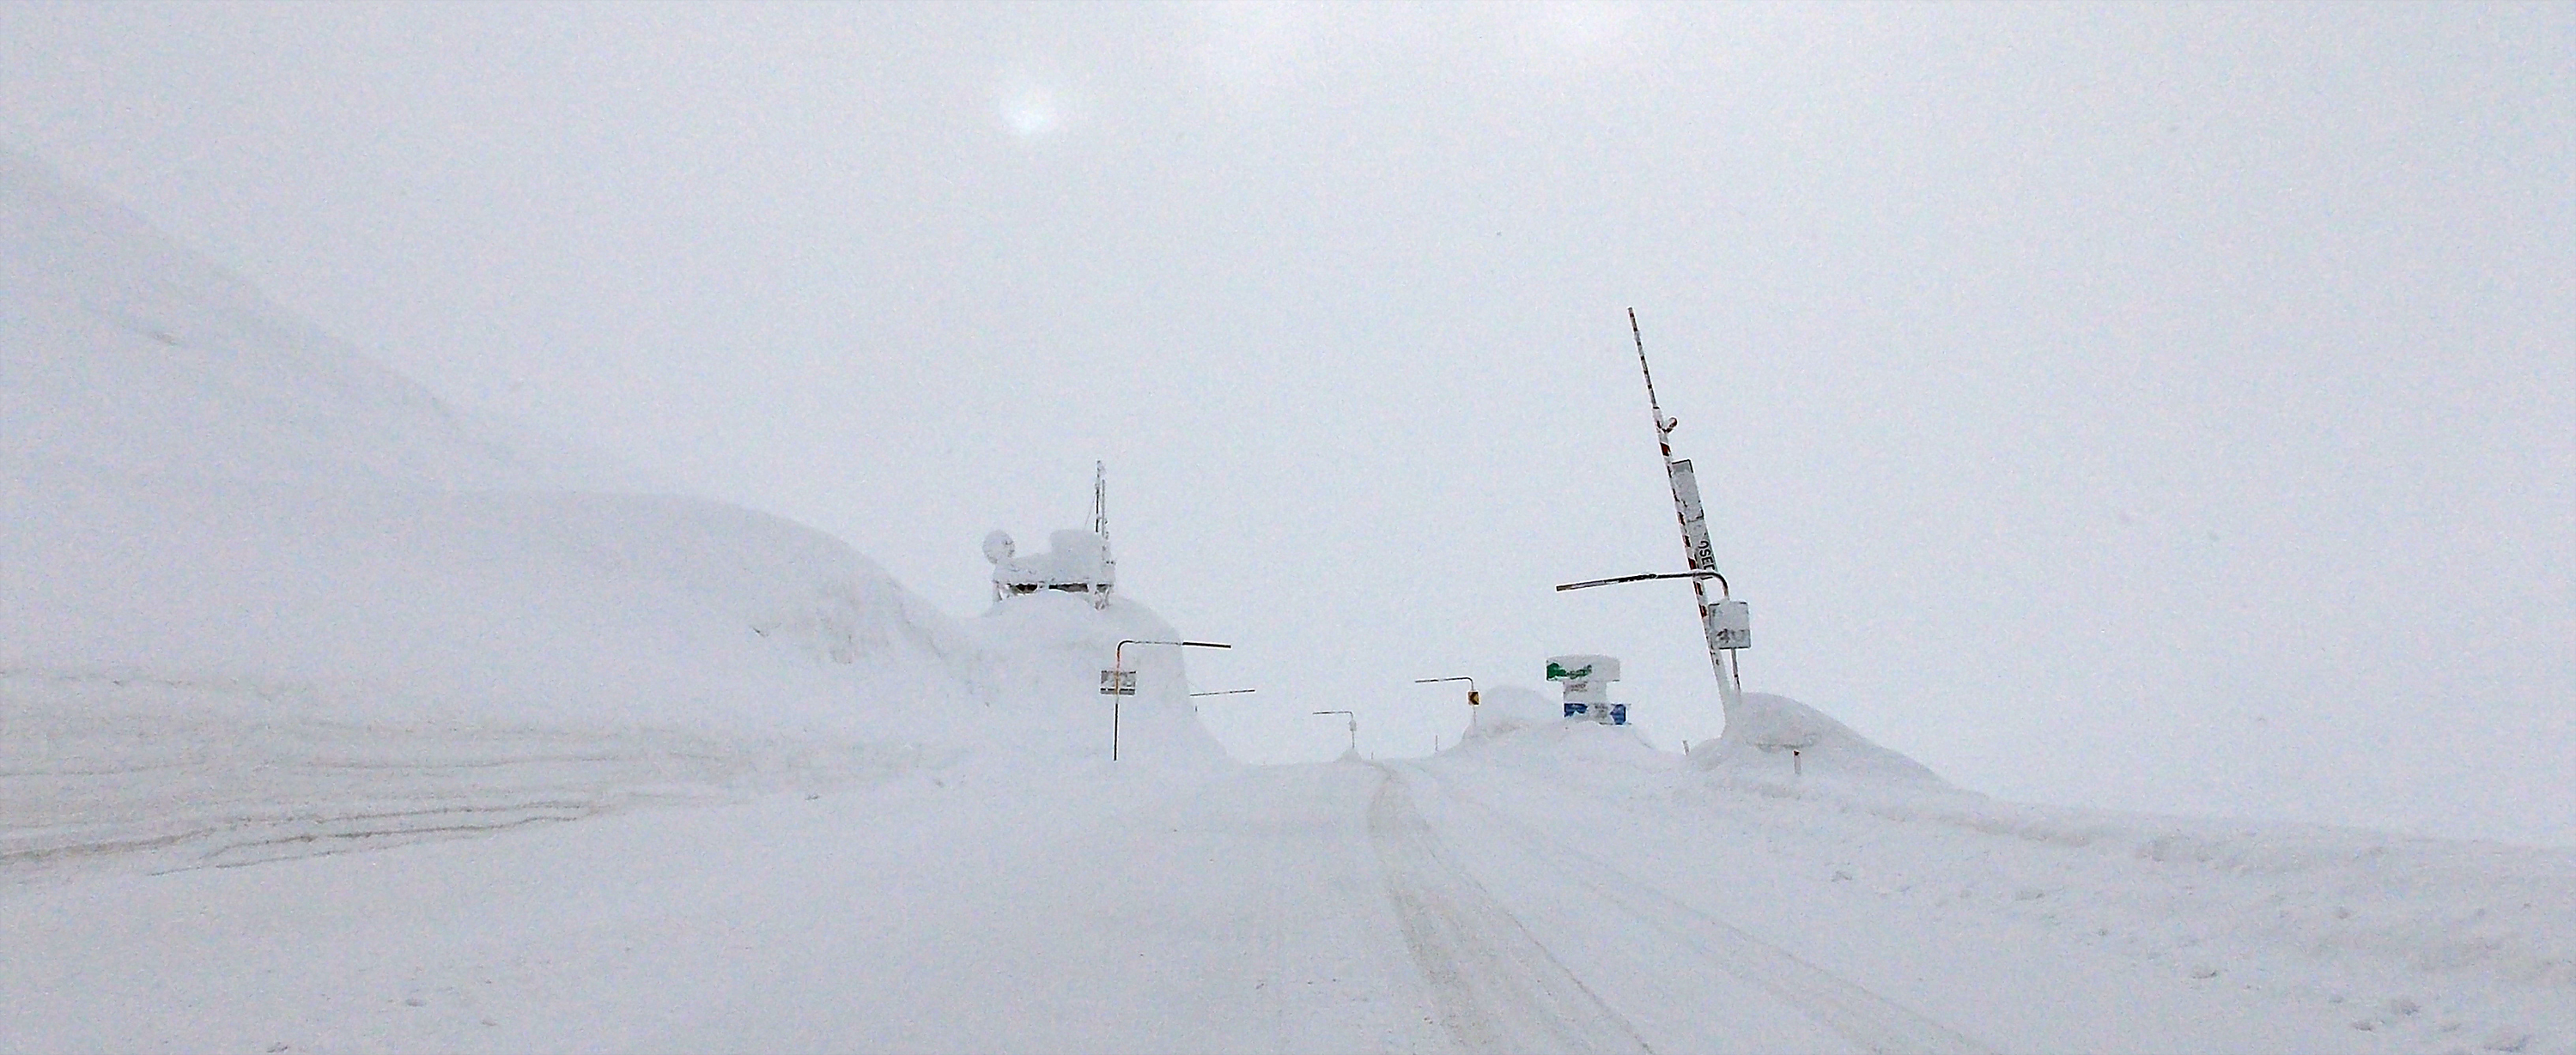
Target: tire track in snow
1847,1009
1495,987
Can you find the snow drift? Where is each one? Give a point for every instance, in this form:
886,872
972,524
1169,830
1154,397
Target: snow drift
210,491
259,593
1762,734
1040,660
1509,709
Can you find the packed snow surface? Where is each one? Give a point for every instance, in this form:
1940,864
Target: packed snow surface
327,714
1559,888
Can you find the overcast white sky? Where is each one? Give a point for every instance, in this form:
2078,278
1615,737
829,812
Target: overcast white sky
2156,407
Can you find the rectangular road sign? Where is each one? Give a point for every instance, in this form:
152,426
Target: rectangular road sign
1730,626
1118,683
1702,556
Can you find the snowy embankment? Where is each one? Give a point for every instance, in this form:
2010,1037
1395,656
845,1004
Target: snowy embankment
260,596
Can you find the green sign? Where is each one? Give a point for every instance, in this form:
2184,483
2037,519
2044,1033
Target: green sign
1558,673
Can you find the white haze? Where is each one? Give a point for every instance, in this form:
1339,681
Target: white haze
2161,408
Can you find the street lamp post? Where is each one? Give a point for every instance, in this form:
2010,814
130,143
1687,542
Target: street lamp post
1118,684
1472,699
1355,728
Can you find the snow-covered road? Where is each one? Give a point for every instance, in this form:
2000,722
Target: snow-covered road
1647,971
1561,893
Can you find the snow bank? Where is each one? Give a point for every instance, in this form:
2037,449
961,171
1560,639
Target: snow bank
505,607
215,493
257,590
1039,661
1510,709
1762,734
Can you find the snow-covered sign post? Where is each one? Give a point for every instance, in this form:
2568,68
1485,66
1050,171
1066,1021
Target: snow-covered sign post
1354,727
1727,624
1118,682
1472,699
1587,687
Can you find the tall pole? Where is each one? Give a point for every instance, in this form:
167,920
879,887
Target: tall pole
1694,524
1354,727
1114,682
1108,568
1473,700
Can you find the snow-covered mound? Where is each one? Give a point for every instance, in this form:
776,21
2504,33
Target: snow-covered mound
1040,660
1762,735
1512,708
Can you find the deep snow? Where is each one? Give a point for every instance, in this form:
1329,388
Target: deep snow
1558,888
262,603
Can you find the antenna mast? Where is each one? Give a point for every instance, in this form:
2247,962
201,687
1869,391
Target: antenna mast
1100,527
1696,549
1725,623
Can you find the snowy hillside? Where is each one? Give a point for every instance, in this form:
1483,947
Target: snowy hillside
126,352
245,567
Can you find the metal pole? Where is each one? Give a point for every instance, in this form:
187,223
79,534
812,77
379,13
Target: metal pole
1355,728
1472,701
1118,667
1729,687
1108,568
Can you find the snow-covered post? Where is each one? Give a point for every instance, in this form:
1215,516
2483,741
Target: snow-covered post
1118,682
1472,699
1354,726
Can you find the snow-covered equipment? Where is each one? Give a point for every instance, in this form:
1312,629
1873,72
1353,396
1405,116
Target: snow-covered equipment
1728,623
1077,561
1586,679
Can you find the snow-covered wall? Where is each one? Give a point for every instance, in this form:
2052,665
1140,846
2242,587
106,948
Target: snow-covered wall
203,491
